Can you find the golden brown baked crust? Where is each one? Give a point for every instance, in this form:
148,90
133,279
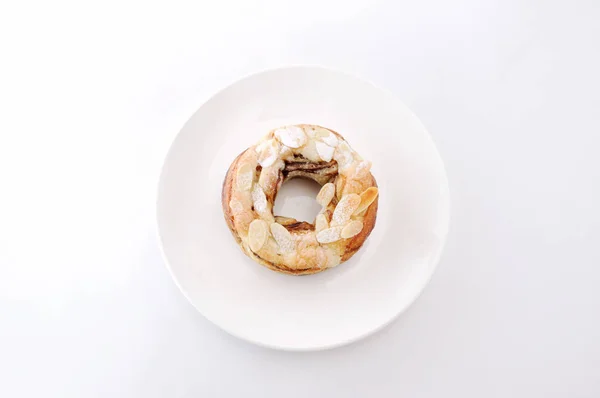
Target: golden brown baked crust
311,251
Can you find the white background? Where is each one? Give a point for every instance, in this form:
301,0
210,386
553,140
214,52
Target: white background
91,95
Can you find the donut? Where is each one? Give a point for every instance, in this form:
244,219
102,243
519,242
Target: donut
348,196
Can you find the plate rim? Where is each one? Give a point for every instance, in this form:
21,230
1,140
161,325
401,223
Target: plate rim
320,347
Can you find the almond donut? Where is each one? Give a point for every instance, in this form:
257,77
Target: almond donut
348,197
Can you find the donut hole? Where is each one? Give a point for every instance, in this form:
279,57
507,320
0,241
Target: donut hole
297,199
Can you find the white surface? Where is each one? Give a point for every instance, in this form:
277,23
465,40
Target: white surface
90,99
331,308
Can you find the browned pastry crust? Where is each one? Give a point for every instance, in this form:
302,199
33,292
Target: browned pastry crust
303,258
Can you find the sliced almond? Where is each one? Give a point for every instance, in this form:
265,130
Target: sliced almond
366,198
261,146
340,182
331,140
327,137
285,220
329,235
257,234
322,132
325,151
283,238
236,206
327,258
344,209
332,258
291,136
362,169
309,131
309,151
259,200
269,153
321,223
268,179
326,194
285,151
351,229
245,176
321,257
242,222
343,155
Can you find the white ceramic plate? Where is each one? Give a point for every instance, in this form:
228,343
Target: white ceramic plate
340,305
